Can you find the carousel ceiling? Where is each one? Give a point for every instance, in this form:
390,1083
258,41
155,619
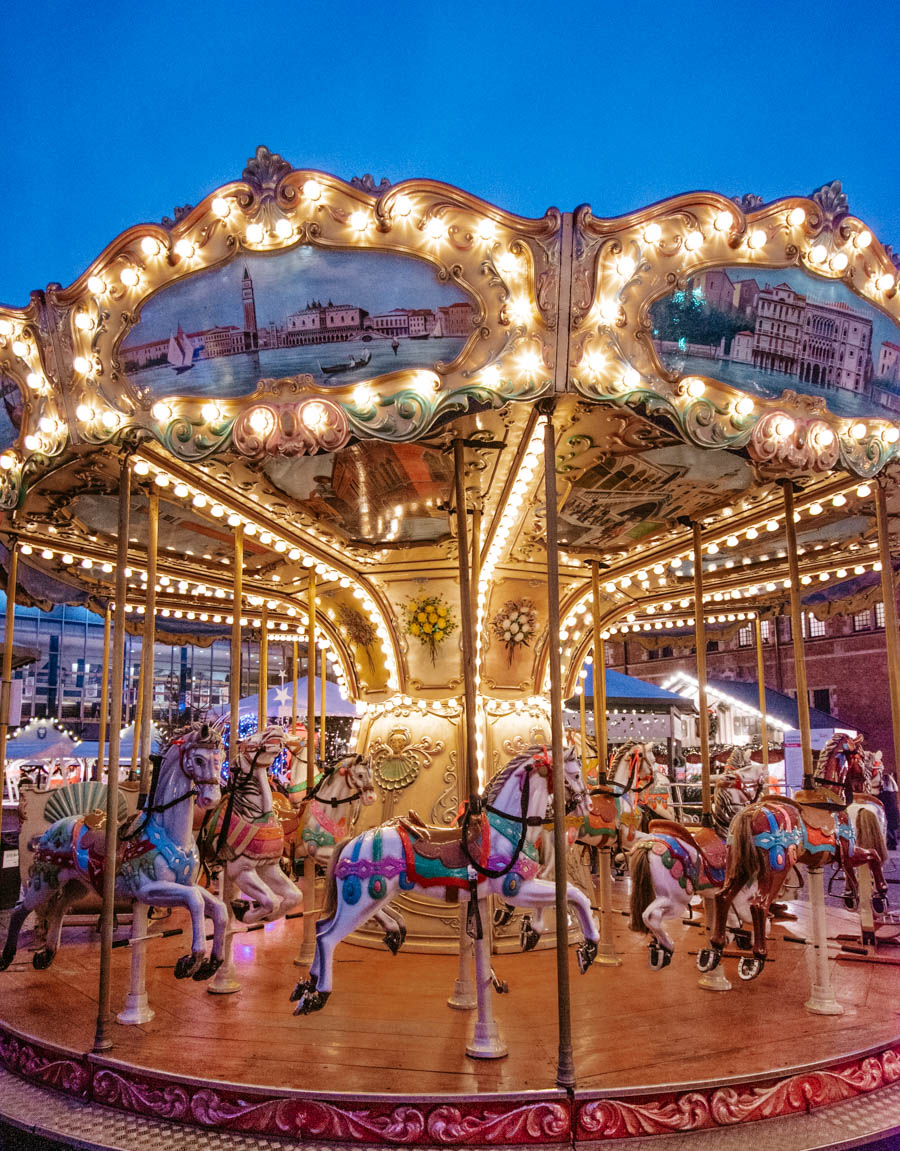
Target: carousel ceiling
297,355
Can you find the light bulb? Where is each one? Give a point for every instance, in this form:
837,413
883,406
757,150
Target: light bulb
818,253
129,277
858,431
210,412
652,233
757,239
255,233
796,216
693,240
96,285
695,387
150,245
184,248
885,283
220,207
359,221
723,221
161,411
312,190
435,230
283,228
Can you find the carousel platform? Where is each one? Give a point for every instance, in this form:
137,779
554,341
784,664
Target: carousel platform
657,1058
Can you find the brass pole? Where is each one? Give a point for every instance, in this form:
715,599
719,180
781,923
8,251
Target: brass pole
797,634
322,707
582,717
700,640
262,706
12,572
889,598
294,658
148,651
311,682
138,721
234,679
102,1037
565,1066
761,683
104,693
600,737
468,774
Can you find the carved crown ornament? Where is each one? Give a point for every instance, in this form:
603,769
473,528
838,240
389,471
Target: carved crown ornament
86,377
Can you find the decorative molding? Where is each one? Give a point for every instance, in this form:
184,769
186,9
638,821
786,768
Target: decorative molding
525,1119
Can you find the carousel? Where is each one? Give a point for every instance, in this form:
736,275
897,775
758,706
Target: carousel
447,457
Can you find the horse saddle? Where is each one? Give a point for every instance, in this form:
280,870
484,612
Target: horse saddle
93,838
441,843
709,846
288,816
818,807
603,811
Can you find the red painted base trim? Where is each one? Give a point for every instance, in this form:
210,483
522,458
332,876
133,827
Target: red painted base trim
542,1118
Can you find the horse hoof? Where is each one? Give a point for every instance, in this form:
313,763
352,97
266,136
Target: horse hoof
302,987
6,958
586,953
709,959
750,966
392,941
307,998
528,937
207,968
879,904
402,934
188,964
660,957
239,908
851,902
503,914
42,959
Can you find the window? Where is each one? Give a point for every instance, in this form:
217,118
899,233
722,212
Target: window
862,621
879,615
712,645
816,626
745,636
820,698
764,628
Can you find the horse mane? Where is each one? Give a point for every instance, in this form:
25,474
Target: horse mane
523,759
828,750
621,752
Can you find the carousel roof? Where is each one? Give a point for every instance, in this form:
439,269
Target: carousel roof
209,350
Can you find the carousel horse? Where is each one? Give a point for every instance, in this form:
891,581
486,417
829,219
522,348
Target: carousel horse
315,821
867,815
245,836
769,837
634,792
156,858
673,863
492,852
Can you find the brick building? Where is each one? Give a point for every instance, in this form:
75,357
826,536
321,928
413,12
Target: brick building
846,665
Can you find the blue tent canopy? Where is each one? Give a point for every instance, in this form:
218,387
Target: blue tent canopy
41,739
627,691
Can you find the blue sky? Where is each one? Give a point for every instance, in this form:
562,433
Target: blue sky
114,113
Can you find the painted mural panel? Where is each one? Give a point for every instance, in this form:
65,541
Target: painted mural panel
10,412
765,331
341,317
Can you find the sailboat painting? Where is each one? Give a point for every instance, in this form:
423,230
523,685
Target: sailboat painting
182,352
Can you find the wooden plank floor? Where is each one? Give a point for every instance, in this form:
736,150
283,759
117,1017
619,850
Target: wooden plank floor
387,1028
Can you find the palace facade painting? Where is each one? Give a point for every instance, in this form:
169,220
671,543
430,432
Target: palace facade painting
768,330
340,317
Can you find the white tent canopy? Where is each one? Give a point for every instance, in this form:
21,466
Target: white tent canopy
41,739
126,736
280,702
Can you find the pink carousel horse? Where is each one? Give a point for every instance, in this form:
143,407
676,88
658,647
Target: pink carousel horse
245,835
673,863
769,837
156,860
493,852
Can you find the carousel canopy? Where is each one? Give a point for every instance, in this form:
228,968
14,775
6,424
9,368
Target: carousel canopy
41,739
280,702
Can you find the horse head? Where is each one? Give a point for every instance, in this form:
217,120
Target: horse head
357,771
539,759
199,751
260,749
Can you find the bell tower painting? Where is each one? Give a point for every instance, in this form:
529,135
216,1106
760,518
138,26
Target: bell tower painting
249,310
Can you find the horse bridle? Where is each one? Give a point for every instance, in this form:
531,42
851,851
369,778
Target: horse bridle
313,794
155,808
630,785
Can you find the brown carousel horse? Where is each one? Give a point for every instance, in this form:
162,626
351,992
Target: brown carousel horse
768,838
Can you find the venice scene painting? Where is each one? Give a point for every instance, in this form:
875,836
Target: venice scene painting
341,317
768,330
10,411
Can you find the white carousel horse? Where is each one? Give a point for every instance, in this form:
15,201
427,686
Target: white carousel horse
673,863
13,778
156,861
245,835
493,852
316,820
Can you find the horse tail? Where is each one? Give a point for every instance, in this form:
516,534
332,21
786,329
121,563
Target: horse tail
869,834
642,893
331,895
743,858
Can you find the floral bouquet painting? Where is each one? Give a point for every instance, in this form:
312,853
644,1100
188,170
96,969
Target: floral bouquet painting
515,623
428,619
